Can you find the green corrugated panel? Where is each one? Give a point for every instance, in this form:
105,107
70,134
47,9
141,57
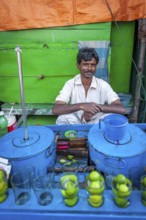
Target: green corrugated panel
122,40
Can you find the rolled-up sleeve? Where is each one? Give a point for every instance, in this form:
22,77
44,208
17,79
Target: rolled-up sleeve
65,93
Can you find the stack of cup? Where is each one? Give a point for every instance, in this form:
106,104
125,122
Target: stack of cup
95,186
121,188
69,184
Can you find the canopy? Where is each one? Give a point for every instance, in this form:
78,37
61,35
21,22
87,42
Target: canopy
28,14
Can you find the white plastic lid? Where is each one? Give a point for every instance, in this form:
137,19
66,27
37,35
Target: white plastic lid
1,113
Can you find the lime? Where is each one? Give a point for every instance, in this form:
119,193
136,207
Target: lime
71,202
62,161
94,175
69,177
72,191
120,178
95,187
95,198
3,198
2,184
70,157
95,184
123,203
123,188
4,189
144,202
144,181
94,204
144,194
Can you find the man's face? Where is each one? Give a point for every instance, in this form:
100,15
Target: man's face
87,68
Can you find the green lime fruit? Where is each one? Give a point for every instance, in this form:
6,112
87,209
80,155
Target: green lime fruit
2,173
123,188
62,161
123,203
70,157
95,198
95,187
120,178
3,198
144,194
144,181
143,202
4,189
70,188
2,184
94,175
71,202
72,191
96,205
69,177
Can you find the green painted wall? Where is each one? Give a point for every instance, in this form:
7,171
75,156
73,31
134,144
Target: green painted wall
48,52
52,53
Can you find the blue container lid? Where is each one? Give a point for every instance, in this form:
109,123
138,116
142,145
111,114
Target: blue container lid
135,145
13,145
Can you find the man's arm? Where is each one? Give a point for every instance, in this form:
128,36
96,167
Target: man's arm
61,108
115,107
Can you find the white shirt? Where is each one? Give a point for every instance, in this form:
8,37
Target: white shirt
99,92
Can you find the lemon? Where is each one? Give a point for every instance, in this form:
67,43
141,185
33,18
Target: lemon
95,187
123,203
4,189
144,181
2,184
94,175
96,205
123,188
144,194
62,161
71,202
2,173
95,198
70,157
95,184
144,202
120,178
70,177
3,198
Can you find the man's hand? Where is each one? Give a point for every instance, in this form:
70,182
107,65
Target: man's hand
90,107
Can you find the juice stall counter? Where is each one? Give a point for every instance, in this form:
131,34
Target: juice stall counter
82,210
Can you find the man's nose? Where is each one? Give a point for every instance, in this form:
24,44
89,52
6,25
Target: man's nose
89,66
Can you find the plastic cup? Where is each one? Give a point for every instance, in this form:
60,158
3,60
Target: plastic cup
95,186
121,188
42,186
69,187
21,184
143,189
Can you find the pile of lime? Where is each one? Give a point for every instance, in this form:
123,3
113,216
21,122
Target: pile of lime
95,187
121,187
69,189
143,190
3,186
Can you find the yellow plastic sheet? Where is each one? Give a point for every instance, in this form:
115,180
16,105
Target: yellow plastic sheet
28,14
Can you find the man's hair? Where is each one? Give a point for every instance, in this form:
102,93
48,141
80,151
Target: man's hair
87,54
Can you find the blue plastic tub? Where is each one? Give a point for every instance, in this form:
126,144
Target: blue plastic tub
115,127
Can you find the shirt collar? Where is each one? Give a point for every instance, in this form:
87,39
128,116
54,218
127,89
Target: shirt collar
79,82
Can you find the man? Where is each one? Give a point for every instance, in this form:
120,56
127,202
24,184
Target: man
85,99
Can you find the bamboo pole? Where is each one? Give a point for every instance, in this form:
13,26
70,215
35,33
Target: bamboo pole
142,52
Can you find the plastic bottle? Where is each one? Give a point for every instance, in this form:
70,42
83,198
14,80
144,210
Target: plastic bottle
3,124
